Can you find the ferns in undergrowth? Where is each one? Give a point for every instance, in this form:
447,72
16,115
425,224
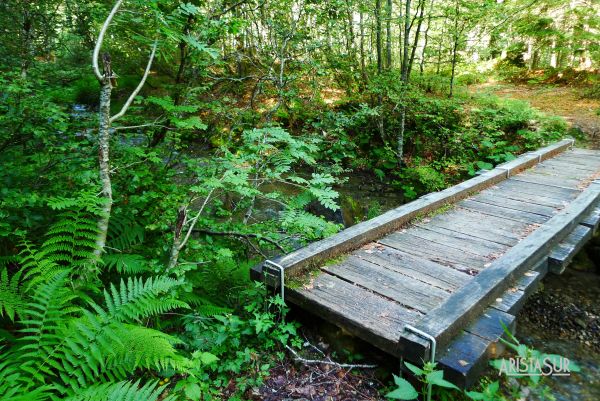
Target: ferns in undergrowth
73,345
121,391
11,297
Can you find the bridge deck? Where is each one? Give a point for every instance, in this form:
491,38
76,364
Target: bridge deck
438,266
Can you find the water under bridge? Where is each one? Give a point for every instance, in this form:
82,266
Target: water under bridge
438,277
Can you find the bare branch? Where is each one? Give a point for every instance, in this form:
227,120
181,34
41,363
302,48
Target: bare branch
101,39
327,362
139,87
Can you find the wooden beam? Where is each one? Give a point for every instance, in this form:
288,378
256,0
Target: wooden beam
446,320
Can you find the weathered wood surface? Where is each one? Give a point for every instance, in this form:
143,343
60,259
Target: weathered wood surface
445,272
562,254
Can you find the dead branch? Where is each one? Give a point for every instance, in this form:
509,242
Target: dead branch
139,87
328,362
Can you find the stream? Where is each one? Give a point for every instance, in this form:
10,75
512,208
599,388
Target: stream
564,318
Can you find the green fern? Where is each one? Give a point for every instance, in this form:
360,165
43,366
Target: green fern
124,233
126,263
74,347
121,391
72,240
11,296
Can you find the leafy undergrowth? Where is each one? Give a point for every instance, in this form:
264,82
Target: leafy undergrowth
580,112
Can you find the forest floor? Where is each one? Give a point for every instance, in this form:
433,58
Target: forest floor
565,101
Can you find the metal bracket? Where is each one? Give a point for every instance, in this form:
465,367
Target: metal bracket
268,267
433,346
572,144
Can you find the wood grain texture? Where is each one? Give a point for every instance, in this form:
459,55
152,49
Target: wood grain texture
562,254
415,267
368,316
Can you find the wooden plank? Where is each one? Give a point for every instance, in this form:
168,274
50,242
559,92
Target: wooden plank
465,354
496,247
544,179
538,199
467,302
562,254
591,155
503,239
559,163
564,171
458,242
592,220
513,299
518,187
581,159
442,254
584,151
415,267
499,211
474,221
465,359
568,164
365,232
368,316
405,290
522,205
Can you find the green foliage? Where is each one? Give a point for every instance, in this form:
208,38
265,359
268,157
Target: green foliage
428,376
68,341
228,345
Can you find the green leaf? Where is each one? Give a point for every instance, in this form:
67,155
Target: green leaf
192,391
405,390
417,371
437,379
207,358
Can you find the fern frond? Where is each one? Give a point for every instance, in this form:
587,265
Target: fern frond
71,240
96,345
203,306
141,347
11,296
126,263
138,299
42,318
121,391
124,233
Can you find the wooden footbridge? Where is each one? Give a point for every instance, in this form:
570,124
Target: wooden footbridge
435,278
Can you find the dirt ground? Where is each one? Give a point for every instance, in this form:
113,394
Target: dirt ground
564,101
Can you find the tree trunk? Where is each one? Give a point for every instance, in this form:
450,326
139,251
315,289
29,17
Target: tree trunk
404,76
456,37
426,38
416,40
406,42
388,22
378,35
363,68
104,161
